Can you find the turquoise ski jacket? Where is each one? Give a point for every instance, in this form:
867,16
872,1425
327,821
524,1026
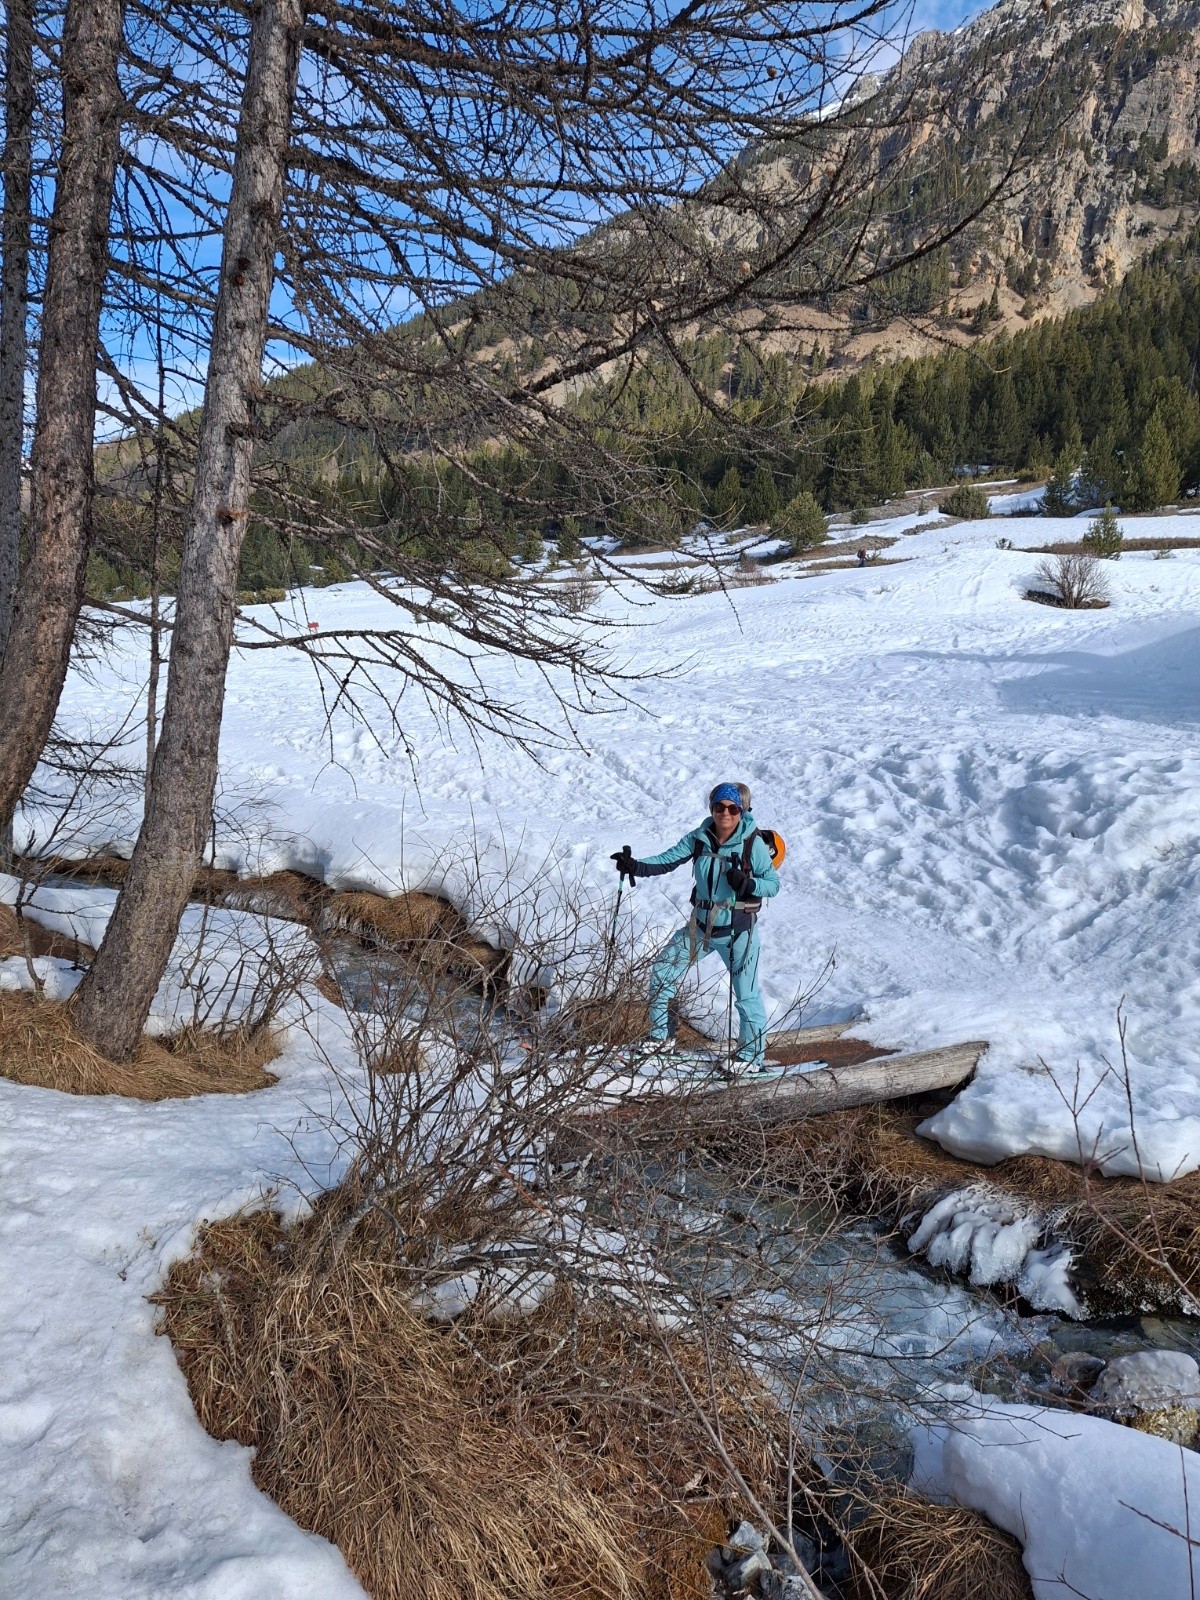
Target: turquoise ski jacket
712,892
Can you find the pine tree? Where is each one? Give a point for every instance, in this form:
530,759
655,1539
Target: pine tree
570,540
727,501
1154,472
533,549
1105,535
802,521
762,497
1059,499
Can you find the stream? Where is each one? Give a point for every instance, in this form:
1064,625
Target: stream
891,1327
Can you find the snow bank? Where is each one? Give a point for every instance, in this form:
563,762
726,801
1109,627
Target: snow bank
1101,1511
112,1488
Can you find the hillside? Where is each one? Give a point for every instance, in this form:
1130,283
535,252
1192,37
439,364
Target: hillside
1112,90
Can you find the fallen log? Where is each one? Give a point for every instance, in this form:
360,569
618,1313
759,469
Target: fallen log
685,1114
803,1094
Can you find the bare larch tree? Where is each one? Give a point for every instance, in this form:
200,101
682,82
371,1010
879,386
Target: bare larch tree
61,468
112,1003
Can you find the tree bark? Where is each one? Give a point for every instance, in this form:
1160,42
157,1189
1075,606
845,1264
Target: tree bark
112,1003
804,1094
61,471
14,290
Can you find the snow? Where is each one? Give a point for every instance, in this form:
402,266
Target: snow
112,1489
992,812
1102,1511
1010,505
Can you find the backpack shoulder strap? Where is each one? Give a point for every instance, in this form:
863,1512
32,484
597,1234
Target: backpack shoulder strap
748,850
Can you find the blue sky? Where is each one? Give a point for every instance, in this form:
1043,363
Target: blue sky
134,353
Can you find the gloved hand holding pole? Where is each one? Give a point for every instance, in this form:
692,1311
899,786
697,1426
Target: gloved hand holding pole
626,865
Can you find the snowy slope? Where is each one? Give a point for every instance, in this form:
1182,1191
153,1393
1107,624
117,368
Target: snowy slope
112,1490
992,815
992,808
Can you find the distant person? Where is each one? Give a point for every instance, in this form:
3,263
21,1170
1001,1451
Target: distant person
734,873
863,556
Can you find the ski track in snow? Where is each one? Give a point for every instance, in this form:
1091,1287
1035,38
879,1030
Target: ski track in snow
992,812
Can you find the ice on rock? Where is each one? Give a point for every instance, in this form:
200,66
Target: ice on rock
1146,1379
992,1240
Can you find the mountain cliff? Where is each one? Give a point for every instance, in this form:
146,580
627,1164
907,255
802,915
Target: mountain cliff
1110,90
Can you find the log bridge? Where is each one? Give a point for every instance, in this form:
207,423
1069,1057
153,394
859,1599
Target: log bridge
862,1076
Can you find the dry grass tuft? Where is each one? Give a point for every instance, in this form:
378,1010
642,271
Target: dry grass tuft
910,1549
420,923
552,1456
1137,1245
22,936
38,1046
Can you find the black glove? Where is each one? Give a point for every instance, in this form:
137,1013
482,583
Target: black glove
626,865
742,883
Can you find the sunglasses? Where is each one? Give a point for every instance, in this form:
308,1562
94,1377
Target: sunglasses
727,805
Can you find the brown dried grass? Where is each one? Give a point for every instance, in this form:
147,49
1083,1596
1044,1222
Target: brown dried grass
1137,1245
414,922
38,1046
910,1549
22,936
292,896
552,1456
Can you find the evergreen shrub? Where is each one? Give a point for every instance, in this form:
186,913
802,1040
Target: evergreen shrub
967,501
1105,536
802,522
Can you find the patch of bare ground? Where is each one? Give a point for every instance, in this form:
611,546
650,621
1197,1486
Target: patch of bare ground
1076,547
1137,1244
292,896
1042,598
423,926
38,1046
811,568
22,936
555,1455
832,548
412,922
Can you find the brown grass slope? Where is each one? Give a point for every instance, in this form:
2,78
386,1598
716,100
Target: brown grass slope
553,1457
39,1046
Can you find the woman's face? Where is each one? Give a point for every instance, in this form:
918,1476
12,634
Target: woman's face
726,817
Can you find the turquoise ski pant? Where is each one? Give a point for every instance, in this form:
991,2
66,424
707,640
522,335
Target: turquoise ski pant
740,956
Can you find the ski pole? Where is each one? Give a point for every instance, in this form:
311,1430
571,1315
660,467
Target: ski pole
627,852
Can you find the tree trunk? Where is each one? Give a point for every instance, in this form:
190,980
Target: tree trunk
61,473
14,289
111,1004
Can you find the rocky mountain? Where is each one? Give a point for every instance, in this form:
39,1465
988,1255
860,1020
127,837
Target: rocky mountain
1111,92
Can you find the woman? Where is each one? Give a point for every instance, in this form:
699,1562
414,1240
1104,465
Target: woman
734,874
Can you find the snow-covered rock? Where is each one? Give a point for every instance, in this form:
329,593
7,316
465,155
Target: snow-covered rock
1146,1379
1100,1510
